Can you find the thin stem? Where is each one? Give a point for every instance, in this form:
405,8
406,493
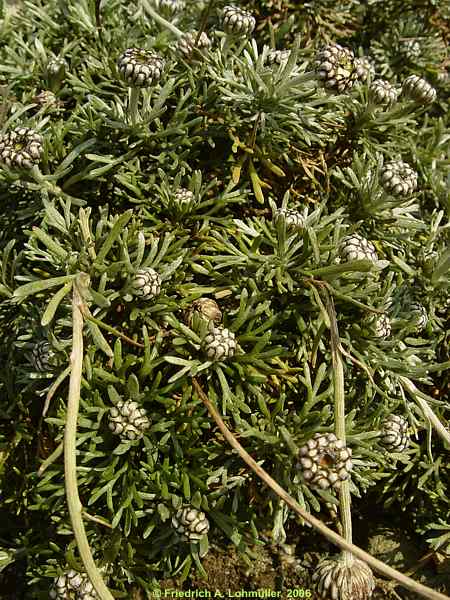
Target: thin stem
87,315
51,392
331,535
225,48
204,21
135,92
98,16
70,434
51,459
254,132
4,91
47,186
96,519
161,20
422,401
339,415
347,298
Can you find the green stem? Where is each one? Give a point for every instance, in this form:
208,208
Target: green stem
161,20
70,434
4,92
53,389
225,49
204,21
133,106
339,415
87,315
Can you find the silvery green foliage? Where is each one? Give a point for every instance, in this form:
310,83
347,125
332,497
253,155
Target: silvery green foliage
382,92
146,283
390,384
357,247
190,523
237,21
220,344
280,104
128,419
190,46
139,67
419,90
339,580
42,357
21,148
73,586
335,67
405,44
243,117
293,219
394,433
325,461
398,178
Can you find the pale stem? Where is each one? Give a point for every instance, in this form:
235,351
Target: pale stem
96,519
226,46
339,415
70,434
161,20
133,105
53,389
421,400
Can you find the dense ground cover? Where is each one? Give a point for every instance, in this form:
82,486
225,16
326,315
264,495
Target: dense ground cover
242,207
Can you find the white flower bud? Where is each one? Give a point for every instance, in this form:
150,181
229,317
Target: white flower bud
190,523
140,68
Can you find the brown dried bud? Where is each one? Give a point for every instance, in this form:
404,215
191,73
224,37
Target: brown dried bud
205,309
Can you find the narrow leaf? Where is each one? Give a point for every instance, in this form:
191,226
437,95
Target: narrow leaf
52,306
99,339
50,243
38,286
75,154
114,234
